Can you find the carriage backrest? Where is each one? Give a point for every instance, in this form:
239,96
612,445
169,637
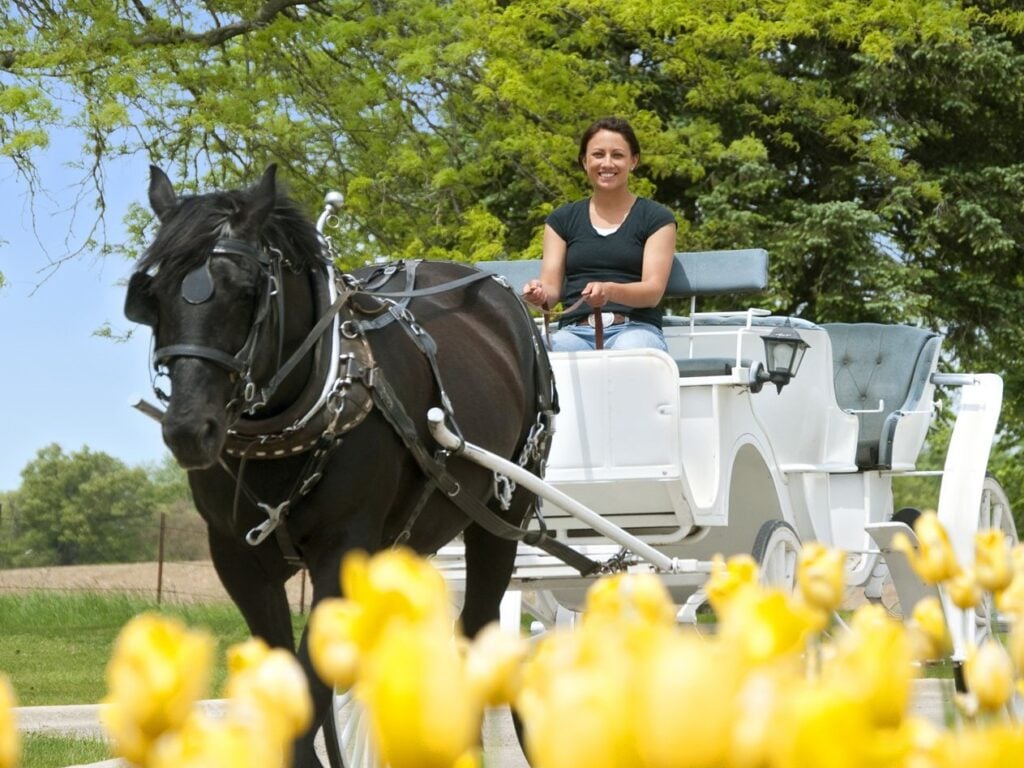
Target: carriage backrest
889,363
694,273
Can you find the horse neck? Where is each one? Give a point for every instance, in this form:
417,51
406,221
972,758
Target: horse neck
299,318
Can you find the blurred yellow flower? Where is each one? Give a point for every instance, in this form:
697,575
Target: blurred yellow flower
934,559
820,576
332,641
819,727
929,621
571,702
728,578
873,664
683,668
10,740
963,589
992,564
1011,599
493,661
988,673
158,670
763,624
271,680
997,746
630,597
417,694
395,583
228,742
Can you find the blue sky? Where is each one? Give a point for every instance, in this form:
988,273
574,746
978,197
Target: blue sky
58,382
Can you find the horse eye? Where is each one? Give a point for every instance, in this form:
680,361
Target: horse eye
198,286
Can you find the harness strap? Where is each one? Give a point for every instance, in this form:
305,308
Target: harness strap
396,415
434,289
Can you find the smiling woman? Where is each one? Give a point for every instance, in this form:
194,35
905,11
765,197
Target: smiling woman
612,252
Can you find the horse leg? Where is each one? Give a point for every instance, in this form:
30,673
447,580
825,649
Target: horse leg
260,595
263,601
324,576
489,564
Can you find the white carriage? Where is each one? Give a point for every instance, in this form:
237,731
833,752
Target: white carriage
663,460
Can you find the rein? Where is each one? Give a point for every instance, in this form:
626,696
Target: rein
549,315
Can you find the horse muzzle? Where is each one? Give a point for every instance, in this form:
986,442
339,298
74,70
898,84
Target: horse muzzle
196,422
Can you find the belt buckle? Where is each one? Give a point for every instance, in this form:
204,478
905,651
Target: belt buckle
607,318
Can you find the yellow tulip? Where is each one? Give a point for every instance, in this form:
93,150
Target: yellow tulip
934,560
992,564
10,740
1011,599
820,576
271,680
758,703
728,578
678,670
332,641
1015,646
820,727
762,624
626,597
963,589
988,673
228,742
998,746
393,583
929,621
493,661
872,664
571,702
417,696
158,670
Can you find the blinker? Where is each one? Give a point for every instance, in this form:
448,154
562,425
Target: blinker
197,287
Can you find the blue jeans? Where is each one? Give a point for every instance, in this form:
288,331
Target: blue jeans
627,335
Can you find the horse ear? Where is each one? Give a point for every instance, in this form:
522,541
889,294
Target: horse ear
161,193
262,199
139,303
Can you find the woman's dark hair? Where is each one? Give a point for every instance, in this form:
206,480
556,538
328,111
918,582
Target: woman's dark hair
613,124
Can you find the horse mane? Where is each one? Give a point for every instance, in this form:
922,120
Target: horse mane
185,240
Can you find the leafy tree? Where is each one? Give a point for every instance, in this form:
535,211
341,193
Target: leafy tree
184,531
872,147
83,507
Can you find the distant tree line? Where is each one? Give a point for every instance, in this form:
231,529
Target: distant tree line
88,507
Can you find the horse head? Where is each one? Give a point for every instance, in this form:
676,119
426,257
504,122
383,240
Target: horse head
206,286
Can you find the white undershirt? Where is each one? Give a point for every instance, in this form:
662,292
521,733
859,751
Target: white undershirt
605,231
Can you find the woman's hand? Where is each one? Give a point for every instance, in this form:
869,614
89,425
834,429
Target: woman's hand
596,294
534,293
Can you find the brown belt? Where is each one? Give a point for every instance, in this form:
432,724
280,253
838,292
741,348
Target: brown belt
617,319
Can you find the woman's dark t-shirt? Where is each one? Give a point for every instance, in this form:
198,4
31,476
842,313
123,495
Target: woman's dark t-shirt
617,258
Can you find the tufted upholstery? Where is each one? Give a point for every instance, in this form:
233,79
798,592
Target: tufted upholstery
873,362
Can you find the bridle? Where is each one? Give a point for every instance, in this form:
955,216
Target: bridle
197,288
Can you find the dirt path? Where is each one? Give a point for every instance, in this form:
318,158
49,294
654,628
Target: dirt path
190,582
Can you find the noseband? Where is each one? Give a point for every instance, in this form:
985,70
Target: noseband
197,288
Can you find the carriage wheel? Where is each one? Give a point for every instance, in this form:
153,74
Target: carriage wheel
347,734
993,513
776,550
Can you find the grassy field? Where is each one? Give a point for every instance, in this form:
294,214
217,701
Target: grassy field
58,751
55,647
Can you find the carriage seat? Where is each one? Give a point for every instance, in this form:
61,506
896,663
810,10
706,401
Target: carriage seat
694,273
892,364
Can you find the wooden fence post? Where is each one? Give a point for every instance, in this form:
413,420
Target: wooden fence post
160,560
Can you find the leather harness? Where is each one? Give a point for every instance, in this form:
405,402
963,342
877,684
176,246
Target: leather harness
356,386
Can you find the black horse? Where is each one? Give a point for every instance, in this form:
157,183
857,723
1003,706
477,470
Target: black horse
298,403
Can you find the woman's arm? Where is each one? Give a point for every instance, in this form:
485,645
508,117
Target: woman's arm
659,250
548,289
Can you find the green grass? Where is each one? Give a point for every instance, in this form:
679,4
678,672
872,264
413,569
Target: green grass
55,647
39,751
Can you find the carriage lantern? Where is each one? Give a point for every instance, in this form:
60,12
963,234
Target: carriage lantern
784,351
